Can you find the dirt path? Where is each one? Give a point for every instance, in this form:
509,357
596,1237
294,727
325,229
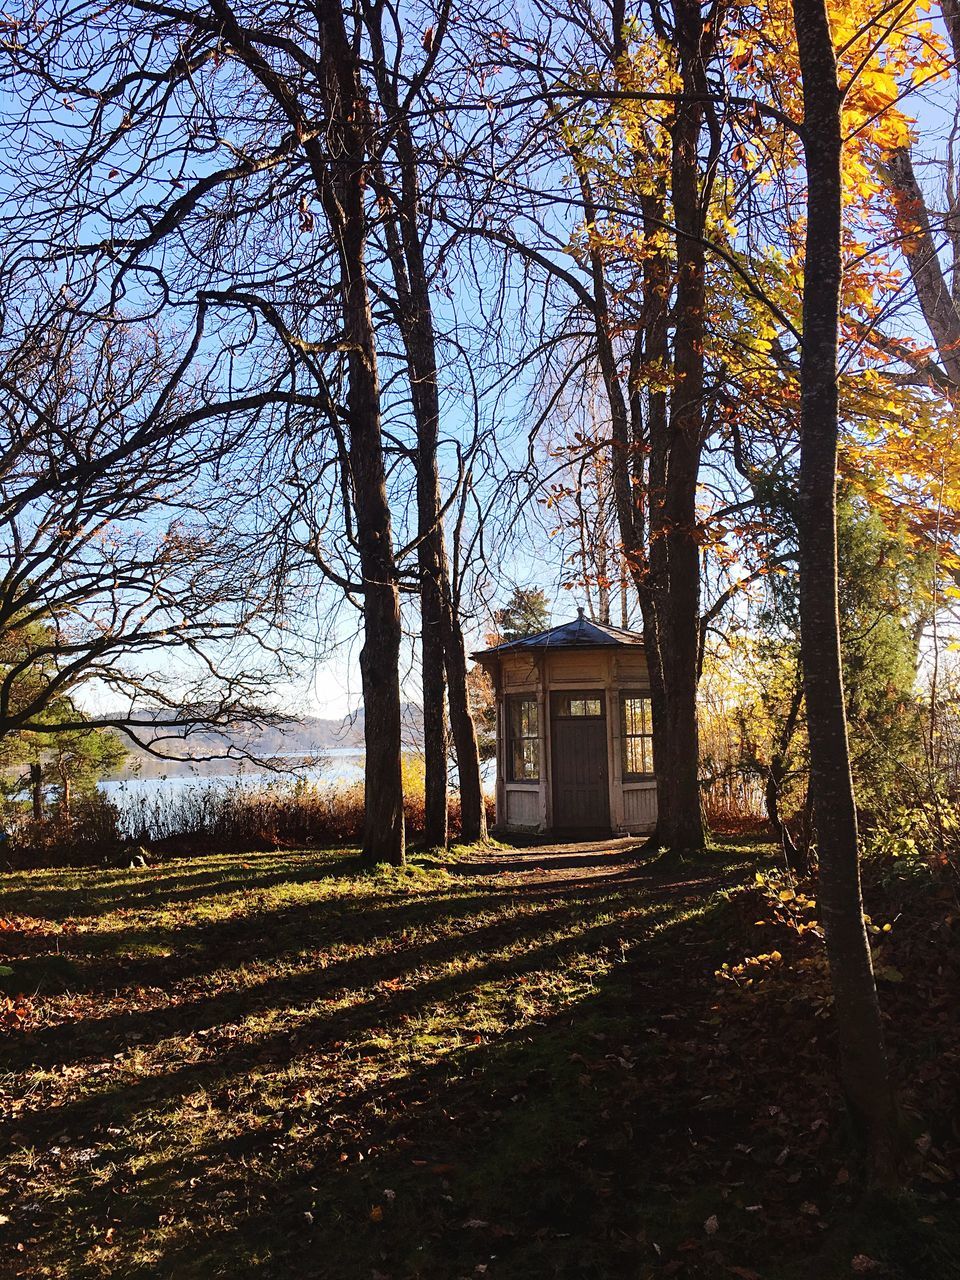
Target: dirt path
563,862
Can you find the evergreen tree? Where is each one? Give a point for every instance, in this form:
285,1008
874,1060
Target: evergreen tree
524,614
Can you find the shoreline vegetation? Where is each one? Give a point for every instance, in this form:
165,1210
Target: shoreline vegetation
253,813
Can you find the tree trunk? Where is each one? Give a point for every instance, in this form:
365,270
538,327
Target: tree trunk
864,1068
680,625
919,246
443,650
434,690
647,566
652,587
416,325
473,812
341,163
36,790
338,156
797,860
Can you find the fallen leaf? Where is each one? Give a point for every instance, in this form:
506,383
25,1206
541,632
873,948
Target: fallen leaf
711,1226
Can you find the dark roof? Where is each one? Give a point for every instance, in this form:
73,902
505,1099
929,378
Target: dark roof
581,633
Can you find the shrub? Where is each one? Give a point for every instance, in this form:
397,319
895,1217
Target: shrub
91,833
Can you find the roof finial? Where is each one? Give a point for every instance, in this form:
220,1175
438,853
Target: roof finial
580,613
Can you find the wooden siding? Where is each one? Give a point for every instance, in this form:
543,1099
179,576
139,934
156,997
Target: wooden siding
630,666
639,806
523,806
578,670
519,672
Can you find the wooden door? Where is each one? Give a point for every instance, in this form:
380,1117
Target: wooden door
581,788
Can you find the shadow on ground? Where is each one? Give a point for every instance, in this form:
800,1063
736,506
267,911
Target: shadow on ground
272,1067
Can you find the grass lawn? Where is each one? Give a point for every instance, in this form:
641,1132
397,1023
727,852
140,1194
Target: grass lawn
272,1066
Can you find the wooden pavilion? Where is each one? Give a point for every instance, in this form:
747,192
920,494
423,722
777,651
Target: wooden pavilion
574,731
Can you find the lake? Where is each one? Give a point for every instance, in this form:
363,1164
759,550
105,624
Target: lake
339,766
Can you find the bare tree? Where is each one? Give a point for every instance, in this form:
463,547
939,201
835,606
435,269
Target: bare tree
237,104
640,328
404,229
116,574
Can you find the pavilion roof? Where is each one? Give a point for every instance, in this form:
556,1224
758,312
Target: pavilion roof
581,633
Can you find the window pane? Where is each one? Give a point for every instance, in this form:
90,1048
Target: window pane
635,717
579,707
516,718
524,744
526,760
647,744
637,736
638,754
531,718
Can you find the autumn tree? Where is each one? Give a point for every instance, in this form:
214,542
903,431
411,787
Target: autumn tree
755,679
651,379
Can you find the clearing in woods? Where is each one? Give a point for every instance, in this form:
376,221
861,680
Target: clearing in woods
515,1064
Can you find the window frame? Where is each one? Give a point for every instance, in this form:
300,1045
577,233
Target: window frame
626,738
510,701
583,696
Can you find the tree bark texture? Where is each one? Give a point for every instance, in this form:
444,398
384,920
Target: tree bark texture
338,158
680,625
919,247
342,182
939,302
473,812
442,647
654,353
797,860
864,1068
642,548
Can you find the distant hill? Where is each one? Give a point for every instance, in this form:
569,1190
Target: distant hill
311,737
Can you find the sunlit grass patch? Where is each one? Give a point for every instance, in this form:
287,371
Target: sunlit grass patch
276,1066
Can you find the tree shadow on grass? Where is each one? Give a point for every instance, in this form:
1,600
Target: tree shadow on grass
490,1131
312,1033
143,954
451,1109
42,893
497,1118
